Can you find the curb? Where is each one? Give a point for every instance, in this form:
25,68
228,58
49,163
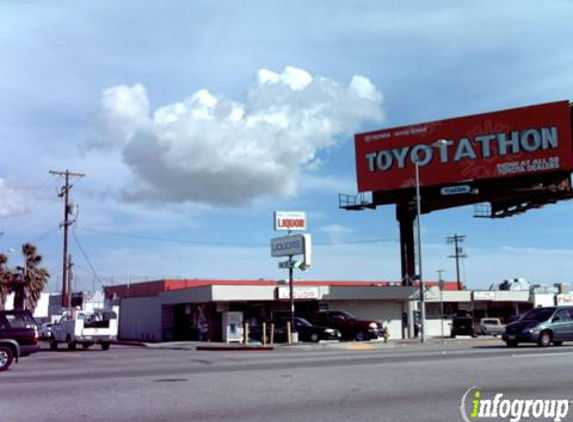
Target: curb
128,343
235,348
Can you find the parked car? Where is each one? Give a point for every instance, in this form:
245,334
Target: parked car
464,326
349,326
46,330
306,331
542,326
9,352
491,326
18,336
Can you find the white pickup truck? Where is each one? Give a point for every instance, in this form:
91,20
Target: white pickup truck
85,328
491,326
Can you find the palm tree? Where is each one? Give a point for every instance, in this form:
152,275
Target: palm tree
29,281
5,280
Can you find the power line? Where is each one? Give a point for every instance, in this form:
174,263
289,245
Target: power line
86,257
34,187
45,235
212,243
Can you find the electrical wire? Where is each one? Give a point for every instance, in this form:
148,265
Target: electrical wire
86,256
45,235
212,243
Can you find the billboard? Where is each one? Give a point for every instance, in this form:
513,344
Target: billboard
503,144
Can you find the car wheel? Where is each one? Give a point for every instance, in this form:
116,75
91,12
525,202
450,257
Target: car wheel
105,345
314,337
53,344
86,346
558,343
6,357
544,339
361,336
511,343
71,344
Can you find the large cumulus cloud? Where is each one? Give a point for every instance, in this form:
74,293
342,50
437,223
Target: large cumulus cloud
210,149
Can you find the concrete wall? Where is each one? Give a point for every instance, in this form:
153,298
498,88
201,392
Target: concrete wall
41,310
140,319
433,327
512,295
543,299
366,292
194,295
243,293
449,296
387,312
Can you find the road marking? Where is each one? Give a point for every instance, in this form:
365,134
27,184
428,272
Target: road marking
360,347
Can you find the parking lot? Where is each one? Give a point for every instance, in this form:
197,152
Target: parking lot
397,382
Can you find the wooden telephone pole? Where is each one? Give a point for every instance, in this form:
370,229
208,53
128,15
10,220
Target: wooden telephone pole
64,193
457,240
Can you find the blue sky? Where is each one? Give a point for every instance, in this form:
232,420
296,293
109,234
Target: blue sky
194,121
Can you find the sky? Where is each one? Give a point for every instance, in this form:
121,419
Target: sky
194,120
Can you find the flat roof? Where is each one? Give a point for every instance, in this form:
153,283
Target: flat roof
152,288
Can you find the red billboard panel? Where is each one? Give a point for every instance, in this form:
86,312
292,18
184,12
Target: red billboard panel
510,143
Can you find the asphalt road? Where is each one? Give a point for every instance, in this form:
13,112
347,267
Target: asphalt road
404,383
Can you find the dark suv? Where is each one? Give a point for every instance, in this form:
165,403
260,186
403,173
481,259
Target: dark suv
464,326
349,326
18,336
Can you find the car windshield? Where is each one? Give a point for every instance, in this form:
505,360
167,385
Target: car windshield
343,315
539,314
491,321
301,322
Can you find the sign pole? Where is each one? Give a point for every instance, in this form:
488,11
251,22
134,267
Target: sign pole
420,275
291,292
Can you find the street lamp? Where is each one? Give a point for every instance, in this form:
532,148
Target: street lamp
438,143
420,278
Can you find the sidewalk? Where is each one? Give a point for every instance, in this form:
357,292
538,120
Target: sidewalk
344,345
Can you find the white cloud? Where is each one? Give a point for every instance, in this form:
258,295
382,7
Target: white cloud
210,149
12,203
123,111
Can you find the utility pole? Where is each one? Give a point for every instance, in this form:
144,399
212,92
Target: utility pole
64,193
457,240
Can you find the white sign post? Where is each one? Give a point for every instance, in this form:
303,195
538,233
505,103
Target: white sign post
290,246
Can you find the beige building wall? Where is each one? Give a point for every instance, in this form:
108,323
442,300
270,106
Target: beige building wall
387,312
140,319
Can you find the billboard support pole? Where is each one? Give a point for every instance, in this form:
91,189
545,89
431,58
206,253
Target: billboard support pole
405,214
406,217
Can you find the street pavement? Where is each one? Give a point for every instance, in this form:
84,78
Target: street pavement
339,382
